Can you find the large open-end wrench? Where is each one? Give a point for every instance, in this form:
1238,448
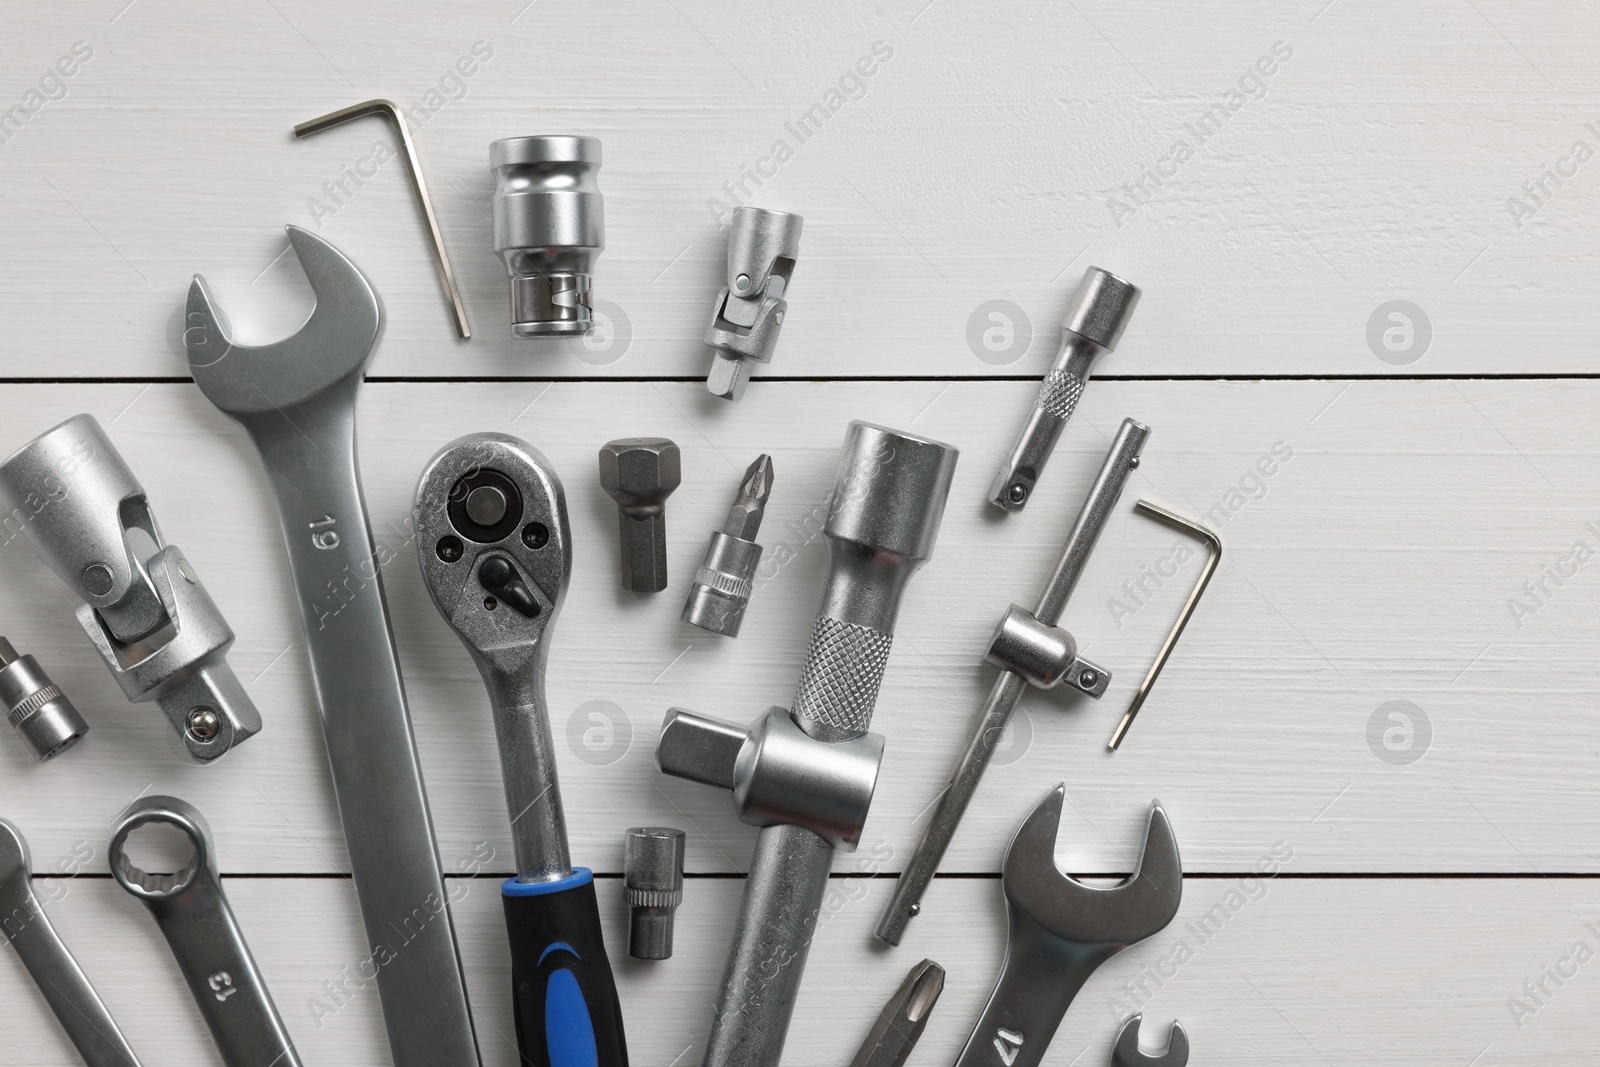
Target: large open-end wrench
1060,930
60,979
496,553
296,399
198,924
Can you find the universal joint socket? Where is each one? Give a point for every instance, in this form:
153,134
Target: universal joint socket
762,248
1096,316
155,627
549,229
41,713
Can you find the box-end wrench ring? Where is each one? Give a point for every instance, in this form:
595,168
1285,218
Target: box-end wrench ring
198,924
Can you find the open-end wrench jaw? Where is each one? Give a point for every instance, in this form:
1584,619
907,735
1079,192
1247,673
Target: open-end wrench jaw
1060,930
1111,916
1127,1053
16,867
333,344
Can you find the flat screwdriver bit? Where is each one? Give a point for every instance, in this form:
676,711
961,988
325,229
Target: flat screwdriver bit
722,585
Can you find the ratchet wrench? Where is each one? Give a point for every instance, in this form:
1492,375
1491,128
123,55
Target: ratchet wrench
496,554
197,922
296,400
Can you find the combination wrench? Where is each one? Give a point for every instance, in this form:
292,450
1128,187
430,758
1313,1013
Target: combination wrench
61,981
296,400
1127,1053
1059,930
496,554
197,922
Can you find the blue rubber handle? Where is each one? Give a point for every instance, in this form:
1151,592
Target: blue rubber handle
563,993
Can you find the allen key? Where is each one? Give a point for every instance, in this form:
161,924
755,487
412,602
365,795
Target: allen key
441,258
1194,529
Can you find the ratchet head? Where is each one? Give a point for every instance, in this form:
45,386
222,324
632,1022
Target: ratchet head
496,551
330,349
1127,1053
1103,920
173,812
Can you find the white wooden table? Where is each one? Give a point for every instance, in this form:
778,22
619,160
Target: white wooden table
1426,467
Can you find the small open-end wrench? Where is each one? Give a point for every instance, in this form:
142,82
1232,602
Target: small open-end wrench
1127,1053
60,979
496,553
1029,649
1060,930
194,917
296,400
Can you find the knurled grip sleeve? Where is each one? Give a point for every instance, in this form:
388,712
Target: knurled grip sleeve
1059,393
839,683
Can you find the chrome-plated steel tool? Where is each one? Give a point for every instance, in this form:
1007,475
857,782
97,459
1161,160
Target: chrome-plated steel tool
762,248
397,120
496,554
157,630
41,713
1030,649
549,229
652,887
902,1020
206,940
722,586
1127,1052
806,776
639,473
296,400
61,981
1096,316
1060,930
1193,529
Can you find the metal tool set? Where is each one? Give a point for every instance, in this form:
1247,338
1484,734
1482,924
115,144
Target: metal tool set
495,547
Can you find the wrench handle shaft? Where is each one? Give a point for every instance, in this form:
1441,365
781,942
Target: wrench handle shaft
528,767
223,977
1038,980
65,987
777,919
377,777
952,805
1120,462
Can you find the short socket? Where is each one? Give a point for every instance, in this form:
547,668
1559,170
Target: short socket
722,585
42,714
652,884
549,229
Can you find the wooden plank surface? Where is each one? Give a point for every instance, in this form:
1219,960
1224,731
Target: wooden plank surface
1287,971
1365,347
981,161
1373,564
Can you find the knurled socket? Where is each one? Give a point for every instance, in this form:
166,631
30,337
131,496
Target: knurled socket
652,885
41,713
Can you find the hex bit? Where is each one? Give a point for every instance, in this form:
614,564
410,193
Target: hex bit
640,473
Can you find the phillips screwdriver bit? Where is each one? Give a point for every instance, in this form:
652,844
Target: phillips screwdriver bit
722,585
902,1019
